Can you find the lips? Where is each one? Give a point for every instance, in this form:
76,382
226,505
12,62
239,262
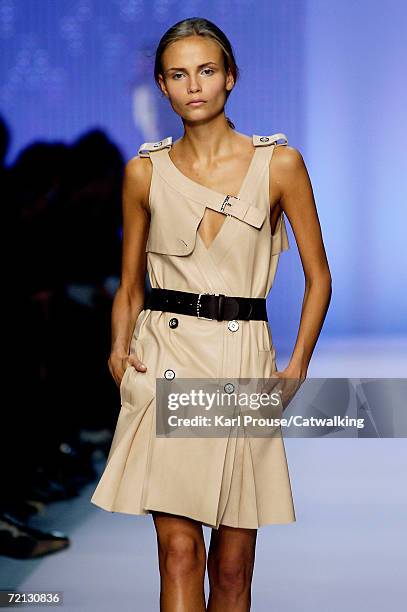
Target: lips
196,102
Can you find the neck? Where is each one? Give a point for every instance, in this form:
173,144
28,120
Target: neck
207,140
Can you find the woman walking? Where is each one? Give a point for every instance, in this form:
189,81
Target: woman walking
205,216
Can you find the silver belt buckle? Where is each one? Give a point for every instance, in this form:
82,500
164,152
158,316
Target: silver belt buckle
198,305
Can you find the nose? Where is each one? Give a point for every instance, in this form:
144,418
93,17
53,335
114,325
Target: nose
194,85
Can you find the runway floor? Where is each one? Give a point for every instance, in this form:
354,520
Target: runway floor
346,552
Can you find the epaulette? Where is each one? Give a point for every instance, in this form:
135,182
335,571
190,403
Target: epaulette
261,141
148,147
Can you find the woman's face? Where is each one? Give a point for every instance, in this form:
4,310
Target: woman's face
194,70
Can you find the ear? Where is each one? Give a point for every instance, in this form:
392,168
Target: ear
162,85
230,81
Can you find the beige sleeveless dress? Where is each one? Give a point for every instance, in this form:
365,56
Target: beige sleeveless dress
235,481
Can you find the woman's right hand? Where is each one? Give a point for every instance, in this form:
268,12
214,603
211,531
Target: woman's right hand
119,362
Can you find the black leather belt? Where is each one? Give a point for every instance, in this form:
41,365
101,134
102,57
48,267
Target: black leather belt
207,305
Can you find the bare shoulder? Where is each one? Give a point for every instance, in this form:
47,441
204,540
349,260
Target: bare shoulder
138,170
287,171
287,159
137,179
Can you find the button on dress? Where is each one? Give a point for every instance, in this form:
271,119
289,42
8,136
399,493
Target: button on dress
236,481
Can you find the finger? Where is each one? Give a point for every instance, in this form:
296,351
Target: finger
136,363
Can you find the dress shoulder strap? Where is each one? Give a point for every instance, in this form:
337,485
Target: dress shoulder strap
258,141
264,149
263,141
149,147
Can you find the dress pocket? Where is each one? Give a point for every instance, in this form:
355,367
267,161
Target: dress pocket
265,338
134,381
267,362
124,377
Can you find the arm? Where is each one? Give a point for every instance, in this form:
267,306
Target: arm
293,189
129,299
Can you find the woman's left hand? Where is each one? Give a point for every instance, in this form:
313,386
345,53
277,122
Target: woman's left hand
291,381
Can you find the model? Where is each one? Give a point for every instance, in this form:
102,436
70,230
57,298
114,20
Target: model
205,216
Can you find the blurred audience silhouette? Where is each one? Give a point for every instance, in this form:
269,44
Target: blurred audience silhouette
61,407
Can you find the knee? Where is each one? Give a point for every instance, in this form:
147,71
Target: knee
231,576
182,555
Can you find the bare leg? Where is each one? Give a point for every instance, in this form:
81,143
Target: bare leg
230,568
182,562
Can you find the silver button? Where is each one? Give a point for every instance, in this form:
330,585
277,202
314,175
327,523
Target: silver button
173,322
264,139
233,325
229,387
169,374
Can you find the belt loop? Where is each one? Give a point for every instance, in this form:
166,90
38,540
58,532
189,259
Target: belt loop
221,303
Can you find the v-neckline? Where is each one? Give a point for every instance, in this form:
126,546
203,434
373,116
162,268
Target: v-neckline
209,191
204,188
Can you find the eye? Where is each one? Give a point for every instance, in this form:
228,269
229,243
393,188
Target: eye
180,73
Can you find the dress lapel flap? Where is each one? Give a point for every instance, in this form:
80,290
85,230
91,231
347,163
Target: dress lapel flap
176,233
279,239
173,232
240,209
